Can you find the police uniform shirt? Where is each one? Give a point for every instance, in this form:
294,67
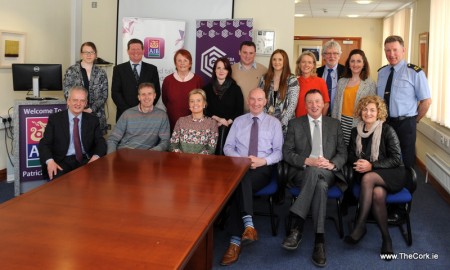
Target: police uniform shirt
409,86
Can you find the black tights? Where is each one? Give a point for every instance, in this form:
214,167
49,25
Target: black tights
372,196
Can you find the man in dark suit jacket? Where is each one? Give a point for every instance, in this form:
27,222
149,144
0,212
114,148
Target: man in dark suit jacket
316,156
331,52
57,151
124,87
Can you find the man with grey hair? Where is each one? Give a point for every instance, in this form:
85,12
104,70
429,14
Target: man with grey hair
72,137
332,71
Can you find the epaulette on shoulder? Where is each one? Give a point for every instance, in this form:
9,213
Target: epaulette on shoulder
416,68
382,68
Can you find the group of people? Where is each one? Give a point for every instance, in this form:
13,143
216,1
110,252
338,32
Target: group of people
317,121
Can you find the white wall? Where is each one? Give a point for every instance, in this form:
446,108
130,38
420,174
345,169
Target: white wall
370,31
99,26
270,15
47,27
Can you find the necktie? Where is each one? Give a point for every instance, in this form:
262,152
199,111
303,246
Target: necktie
253,145
387,90
136,75
76,140
329,82
316,142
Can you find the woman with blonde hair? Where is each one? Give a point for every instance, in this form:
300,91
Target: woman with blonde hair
195,133
374,154
307,79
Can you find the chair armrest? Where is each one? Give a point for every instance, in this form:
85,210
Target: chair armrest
412,179
347,171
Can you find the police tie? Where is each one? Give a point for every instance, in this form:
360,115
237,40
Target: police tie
253,144
387,90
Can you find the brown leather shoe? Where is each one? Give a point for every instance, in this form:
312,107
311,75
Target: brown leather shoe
250,235
231,255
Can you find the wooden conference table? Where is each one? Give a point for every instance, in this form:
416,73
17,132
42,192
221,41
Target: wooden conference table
132,209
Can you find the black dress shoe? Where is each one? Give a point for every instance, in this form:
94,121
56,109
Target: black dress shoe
353,241
318,258
293,240
386,250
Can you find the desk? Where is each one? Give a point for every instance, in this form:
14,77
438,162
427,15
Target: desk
132,209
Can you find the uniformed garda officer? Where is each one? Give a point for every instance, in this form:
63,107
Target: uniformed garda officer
406,93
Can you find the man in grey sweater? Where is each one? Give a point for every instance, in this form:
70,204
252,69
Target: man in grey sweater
143,126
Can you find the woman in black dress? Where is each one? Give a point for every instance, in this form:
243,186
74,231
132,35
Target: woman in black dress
374,154
225,99
224,96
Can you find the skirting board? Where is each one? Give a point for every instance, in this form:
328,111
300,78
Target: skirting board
434,183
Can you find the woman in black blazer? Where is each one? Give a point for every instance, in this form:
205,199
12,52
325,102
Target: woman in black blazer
374,154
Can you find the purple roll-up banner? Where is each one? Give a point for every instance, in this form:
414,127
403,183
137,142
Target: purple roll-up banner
32,122
219,38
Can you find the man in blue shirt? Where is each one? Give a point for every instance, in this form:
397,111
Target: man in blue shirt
259,137
407,97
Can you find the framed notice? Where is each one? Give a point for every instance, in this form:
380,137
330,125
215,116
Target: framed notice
12,48
423,52
265,42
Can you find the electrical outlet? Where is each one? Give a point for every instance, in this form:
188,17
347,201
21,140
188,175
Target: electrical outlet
94,4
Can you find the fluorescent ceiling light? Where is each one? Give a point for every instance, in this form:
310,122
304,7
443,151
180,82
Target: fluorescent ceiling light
353,16
299,15
363,2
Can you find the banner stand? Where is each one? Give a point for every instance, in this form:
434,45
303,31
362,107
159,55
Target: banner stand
30,120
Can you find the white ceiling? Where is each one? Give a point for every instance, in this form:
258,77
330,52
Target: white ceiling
342,8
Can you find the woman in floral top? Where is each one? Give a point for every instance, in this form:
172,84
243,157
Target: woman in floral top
195,133
281,88
87,74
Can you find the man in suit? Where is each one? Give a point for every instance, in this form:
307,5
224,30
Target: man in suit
316,152
332,71
58,151
259,137
127,77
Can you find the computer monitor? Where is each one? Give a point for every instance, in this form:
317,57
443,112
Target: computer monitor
37,77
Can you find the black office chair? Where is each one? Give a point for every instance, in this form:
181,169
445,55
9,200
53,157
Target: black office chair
402,198
271,190
223,133
335,193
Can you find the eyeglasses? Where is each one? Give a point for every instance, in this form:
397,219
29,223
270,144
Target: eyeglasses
88,53
331,54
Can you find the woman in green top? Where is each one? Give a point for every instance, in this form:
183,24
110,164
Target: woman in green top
195,133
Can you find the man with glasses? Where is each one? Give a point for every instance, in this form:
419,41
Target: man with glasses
127,77
332,71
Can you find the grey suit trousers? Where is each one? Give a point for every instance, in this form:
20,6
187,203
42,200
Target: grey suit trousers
313,183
